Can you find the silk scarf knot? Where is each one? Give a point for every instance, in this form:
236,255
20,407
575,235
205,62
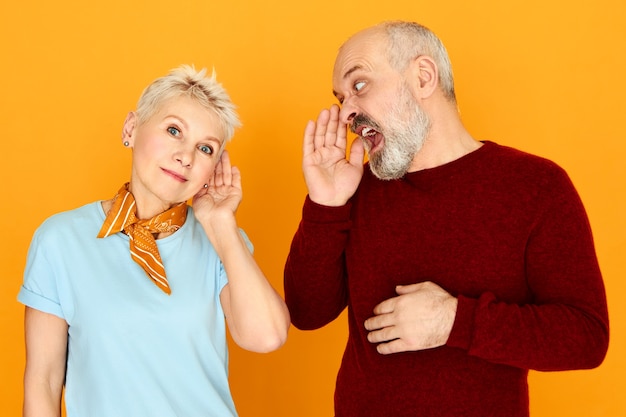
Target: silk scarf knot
122,217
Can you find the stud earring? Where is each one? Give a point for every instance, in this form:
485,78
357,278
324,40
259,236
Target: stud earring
126,143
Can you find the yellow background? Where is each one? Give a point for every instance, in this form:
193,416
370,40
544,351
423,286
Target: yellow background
546,77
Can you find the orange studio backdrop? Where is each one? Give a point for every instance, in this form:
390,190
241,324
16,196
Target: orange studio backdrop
545,77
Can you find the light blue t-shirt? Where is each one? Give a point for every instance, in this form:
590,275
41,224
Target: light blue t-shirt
132,349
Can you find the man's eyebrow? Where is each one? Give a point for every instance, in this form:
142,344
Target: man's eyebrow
347,74
351,70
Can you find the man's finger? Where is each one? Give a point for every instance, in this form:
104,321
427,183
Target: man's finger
386,334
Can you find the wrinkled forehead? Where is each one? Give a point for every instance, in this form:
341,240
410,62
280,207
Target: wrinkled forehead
364,50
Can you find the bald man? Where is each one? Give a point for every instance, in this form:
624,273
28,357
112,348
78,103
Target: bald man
463,263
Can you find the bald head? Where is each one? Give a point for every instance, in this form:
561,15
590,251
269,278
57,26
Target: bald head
363,53
399,42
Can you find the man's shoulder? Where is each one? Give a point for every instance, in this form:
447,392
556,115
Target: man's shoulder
511,158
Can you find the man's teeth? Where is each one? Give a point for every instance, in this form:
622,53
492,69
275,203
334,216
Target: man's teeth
368,131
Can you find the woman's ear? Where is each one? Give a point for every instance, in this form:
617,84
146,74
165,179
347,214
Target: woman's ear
128,137
425,76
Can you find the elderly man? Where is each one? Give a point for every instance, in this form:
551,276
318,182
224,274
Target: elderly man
463,264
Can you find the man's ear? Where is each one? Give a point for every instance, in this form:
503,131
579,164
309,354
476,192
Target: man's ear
128,137
425,76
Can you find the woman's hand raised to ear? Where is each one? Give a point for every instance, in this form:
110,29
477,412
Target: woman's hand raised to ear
223,192
257,317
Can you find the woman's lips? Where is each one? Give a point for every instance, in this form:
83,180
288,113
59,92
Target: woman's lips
174,175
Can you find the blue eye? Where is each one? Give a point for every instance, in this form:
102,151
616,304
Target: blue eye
359,85
206,149
174,131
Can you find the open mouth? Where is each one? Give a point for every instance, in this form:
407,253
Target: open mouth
372,138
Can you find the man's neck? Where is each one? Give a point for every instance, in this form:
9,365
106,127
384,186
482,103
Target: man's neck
444,145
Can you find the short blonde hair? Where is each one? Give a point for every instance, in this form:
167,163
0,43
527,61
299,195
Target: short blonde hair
186,80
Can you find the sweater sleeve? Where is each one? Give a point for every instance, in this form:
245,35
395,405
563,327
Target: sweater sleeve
315,274
566,325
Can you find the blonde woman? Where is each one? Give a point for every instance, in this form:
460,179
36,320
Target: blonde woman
128,299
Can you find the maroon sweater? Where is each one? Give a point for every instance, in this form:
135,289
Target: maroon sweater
502,230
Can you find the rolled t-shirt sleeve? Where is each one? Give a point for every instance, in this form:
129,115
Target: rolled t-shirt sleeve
39,289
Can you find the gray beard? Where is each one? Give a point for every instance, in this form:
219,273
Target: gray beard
403,139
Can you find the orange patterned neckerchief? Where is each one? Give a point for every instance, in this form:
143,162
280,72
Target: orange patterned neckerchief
143,248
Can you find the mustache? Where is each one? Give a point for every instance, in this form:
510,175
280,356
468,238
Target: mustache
363,119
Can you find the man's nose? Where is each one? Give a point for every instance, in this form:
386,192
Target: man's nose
348,112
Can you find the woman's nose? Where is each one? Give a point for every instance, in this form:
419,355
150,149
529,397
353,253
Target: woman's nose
184,157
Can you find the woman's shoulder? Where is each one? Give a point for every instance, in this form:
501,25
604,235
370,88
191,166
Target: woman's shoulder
82,218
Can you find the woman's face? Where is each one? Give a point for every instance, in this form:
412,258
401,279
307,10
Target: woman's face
174,153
